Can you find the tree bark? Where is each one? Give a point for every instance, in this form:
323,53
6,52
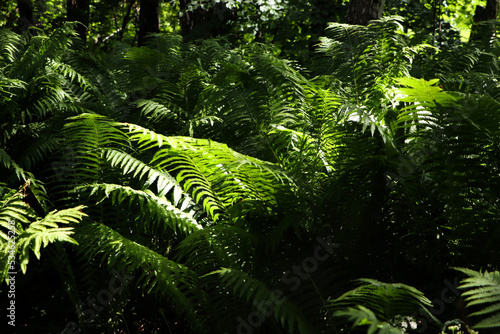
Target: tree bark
126,20
25,14
361,12
149,19
79,10
488,13
481,31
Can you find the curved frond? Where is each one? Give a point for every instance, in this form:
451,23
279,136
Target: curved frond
251,289
152,207
166,279
214,175
45,231
386,302
483,289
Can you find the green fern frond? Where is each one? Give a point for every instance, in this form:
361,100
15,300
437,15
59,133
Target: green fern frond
9,46
87,136
128,164
483,288
214,175
361,316
368,58
45,231
8,163
153,208
208,249
42,49
154,111
74,76
167,280
387,301
424,92
13,209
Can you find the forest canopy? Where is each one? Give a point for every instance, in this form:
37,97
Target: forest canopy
258,166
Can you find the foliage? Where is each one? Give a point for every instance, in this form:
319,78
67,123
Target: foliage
483,288
28,235
385,308
212,174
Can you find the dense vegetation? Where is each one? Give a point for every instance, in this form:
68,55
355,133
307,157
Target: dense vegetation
253,183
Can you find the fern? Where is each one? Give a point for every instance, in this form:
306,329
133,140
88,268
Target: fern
214,175
7,161
160,276
153,208
483,288
381,305
251,289
32,236
362,316
44,231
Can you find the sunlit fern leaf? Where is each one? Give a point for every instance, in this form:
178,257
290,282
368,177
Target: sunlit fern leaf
169,281
424,92
252,289
155,209
74,76
368,58
192,179
45,231
421,99
12,209
214,175
483,289
87,135
165,182
285,85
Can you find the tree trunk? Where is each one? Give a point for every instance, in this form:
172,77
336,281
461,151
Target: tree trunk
25,14
488,13
149,19
79,10
482,31
126,20
361,12
205,23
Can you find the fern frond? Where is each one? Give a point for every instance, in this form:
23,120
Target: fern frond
483,288
361,316
9,163
423,92
13,209
9,46
153,208
208,249
44,231
87,137
128,164
154,111
167,280
214,175
387,301
251,289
